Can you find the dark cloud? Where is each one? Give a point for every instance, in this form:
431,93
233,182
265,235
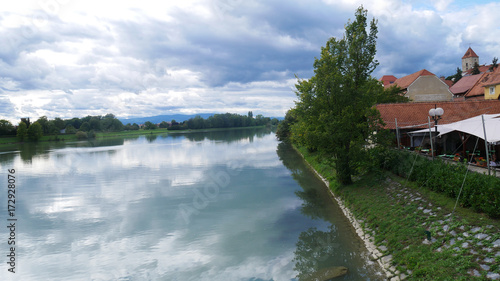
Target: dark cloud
225,54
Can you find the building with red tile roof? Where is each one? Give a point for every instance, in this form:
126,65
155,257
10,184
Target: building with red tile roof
482,69
477,91
469,59
464,85
423,86
413,116
406,81
447,82
388,80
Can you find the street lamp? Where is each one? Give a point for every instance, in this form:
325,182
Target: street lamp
436,113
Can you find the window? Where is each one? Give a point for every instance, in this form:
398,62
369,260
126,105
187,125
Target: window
492,90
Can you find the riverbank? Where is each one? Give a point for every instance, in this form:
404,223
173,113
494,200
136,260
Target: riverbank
103,135
411,232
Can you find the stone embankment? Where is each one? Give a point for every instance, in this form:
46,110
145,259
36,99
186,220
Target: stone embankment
482,242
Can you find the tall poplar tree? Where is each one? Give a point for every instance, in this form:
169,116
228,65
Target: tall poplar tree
335,107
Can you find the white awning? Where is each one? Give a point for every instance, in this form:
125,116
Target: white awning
472,126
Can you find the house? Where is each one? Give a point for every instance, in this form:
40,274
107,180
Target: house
388,80
492,85
463,85
412,116
424,86
485,86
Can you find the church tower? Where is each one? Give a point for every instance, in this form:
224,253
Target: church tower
469,59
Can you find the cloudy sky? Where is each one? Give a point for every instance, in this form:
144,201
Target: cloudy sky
68,58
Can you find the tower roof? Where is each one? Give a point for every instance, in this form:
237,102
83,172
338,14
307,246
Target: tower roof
470,54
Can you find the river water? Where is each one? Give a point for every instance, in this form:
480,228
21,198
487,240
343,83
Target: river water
221,205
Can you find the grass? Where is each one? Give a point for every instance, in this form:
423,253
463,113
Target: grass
389,210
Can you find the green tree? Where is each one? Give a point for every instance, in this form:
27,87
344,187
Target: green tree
35,131
85,127
44,122
6,128
95,124
22,131
70,129
494,64
163,124
475,69
283,132
148,125
392,94
59,123
457,76
335,109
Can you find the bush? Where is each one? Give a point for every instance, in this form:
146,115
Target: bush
480,192
81,135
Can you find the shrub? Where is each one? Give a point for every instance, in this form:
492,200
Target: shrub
81,135
480,192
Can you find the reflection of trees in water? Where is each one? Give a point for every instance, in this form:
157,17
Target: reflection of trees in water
29,150
228,136
313,201
151,137
316,250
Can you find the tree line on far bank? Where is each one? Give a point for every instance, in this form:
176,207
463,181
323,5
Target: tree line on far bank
86,127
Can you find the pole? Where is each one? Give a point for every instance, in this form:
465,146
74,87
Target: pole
486,145
397,132
430,136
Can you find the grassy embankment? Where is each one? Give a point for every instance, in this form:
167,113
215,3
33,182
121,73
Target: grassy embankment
398,213
101,135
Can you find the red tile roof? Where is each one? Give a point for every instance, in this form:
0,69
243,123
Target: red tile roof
388,79
464,84
406,81
493,79
486,79
482,68
470,54
447,82
414,115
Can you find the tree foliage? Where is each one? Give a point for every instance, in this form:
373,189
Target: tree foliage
392,94
35,131
22,131
475,69
6,128
226,120
494,64
334,111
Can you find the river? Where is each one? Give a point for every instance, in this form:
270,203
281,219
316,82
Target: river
220,205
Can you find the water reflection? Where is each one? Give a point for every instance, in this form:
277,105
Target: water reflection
110,209
332,246
316,249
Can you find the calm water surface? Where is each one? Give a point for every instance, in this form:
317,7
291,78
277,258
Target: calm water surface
228,205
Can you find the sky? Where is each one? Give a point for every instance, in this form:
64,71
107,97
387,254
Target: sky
68,58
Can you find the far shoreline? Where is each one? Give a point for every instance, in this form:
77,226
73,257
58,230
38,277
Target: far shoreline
7,141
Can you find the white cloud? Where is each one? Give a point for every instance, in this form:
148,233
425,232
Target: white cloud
142,58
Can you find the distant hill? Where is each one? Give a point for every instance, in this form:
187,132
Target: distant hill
159,118
177,117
